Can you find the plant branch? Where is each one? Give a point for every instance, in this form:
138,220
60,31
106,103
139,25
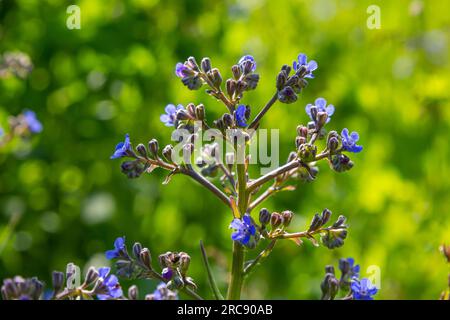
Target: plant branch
212,281
206,183
273,174
263,255
264,110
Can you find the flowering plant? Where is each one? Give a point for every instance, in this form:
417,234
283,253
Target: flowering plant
226,176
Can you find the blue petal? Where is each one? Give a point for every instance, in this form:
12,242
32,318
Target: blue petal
330,110
344,133
301,59
236,224
312,65
247,220
236,236
103,272
170,108
246,239
320,103
111,254
355,136
119,243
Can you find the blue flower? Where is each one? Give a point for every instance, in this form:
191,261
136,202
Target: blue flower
302,60
349,141
240,115
243,63
170,116
163,293
110,287
34,125
321,105
180,68
363,289
2,132
119,249
354,269
244,229
122,148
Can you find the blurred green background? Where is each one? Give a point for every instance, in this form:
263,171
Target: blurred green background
115,76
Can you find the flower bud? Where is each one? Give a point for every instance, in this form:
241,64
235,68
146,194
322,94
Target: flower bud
264,216
146,258
167,273
322,118
192,63
57,281
227,120
316,223
185,260
206,64
307,152
231,87
313,112
276,220
302,131
281,80
200,112
287,217
91,276
329,269
287,95
326,214
217,77
182,114
167,152
133,293
299,141
332,144
236,72
190,108
140,148
137,248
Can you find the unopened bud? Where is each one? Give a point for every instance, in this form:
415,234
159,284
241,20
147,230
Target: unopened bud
264,216
276,220
167,152
133,293
200,112
206,64
287,217
140,148
146,258
58,281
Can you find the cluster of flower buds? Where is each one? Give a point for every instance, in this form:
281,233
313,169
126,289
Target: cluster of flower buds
15,63
349,284
275,221
289,86
19,288
244,78
333,236
174,269
174,266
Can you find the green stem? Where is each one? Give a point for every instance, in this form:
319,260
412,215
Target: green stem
237,267
237,275
212,281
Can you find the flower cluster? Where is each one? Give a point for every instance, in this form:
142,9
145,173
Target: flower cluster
15,63
23,125
174,268
351,286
